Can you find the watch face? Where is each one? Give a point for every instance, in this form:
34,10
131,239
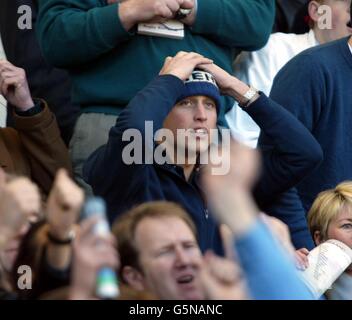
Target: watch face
250,93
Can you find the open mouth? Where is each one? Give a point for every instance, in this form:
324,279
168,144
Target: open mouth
11,250
199,132
187,279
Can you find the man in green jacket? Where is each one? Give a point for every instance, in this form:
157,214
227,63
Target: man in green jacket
98,42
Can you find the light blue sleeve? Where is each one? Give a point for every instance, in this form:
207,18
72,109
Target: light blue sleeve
269,272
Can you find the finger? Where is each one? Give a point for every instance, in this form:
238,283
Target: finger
9,74
300,264
61,177
106,258
201,61
305,251
168,59
206,279
86,227
5,88
164,12
205,67
187,4
227,241
224,270
174,5
181,54
12,82
6,66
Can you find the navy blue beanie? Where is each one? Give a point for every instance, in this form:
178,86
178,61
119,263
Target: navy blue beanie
201,83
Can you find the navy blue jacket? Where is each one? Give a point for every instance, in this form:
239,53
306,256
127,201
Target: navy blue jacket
315,87
295,153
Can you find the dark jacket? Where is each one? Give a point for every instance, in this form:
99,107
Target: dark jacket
34,148
22,50
315,86
123,186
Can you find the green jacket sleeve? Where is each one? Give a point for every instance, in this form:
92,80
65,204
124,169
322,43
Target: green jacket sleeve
242,24
72,32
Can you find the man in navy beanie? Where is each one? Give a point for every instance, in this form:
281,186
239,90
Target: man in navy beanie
315,87
136,167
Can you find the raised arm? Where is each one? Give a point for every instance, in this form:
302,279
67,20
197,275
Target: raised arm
107,167
36,126
293,151
269,272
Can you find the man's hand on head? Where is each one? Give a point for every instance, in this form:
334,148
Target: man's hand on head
183,64
228,84
14,86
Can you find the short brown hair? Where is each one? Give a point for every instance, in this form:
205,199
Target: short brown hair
125,227
327,206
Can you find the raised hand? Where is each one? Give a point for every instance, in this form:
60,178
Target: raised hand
90,253
14,86
228,84
222,278
281,232
64,204
301,256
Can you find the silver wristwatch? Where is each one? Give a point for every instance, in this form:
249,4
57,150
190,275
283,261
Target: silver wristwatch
248,96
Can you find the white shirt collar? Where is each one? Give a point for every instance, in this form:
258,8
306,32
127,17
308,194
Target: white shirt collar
312,39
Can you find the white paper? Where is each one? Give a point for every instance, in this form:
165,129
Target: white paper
170,29
326,263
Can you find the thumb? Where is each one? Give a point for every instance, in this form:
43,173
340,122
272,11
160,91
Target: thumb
227,241
187,4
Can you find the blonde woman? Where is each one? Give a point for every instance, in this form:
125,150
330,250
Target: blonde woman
330,217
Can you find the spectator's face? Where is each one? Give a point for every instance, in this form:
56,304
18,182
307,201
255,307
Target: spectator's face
341,228
169,257
9,253
197,116
340,17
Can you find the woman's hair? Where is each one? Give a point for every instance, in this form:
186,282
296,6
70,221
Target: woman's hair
327,207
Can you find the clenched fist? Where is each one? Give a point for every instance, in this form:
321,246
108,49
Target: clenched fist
64,205
14,86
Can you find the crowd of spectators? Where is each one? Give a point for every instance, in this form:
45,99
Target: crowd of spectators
208,167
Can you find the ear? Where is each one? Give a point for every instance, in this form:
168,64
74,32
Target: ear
133,278
318,239
313,11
